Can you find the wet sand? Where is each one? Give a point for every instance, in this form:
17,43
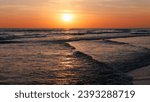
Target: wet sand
141,76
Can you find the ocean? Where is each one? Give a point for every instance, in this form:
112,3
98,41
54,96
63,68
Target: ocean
73,56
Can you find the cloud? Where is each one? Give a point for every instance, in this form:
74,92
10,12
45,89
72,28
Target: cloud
76,5
111,6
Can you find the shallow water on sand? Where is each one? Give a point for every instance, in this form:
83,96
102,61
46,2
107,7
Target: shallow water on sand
45,57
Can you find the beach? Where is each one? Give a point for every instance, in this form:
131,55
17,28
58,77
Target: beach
75,56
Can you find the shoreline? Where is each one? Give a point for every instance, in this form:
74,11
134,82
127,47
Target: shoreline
72,58
94,52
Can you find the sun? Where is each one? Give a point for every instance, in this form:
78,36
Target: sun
67,17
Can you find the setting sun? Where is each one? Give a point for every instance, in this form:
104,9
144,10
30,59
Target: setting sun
67,17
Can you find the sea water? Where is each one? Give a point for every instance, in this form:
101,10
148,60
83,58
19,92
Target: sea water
45,56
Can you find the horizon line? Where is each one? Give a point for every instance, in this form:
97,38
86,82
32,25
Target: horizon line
75,28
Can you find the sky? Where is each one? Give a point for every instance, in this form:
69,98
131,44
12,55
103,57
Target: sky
86,13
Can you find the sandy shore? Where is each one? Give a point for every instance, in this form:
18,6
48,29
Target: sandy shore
141,76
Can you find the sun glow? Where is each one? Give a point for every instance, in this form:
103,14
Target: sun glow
67,17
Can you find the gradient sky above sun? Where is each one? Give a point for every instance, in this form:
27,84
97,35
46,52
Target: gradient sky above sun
82,13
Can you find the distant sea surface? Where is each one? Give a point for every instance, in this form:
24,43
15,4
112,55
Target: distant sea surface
72,56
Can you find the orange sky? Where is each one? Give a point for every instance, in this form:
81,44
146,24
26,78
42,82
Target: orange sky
87,13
